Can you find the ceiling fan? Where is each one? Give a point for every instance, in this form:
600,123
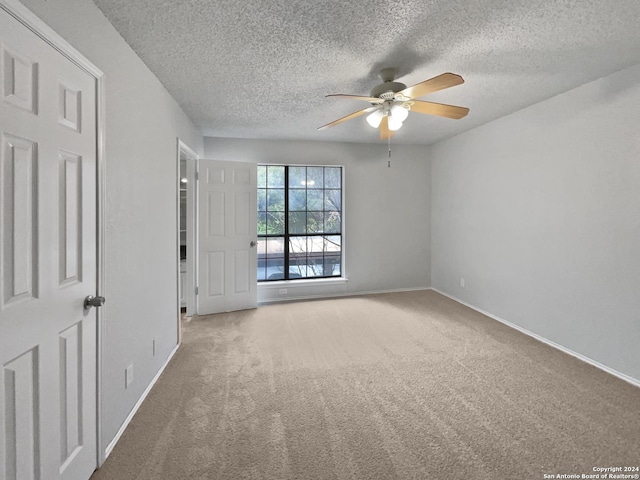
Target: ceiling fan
392,101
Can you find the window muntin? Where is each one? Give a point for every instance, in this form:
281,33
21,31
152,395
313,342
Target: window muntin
299,222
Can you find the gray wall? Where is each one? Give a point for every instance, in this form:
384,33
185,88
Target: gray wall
539,212
142,124
386,209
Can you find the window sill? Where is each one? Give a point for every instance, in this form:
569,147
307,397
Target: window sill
303,283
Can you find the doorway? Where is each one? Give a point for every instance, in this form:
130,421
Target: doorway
186,237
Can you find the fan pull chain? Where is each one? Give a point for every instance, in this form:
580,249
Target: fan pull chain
389,145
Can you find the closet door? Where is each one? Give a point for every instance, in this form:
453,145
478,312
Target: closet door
48,263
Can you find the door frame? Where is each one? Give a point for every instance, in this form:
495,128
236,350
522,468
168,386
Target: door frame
21,13
191,156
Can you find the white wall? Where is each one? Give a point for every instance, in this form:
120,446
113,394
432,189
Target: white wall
386,209
539,212
142,125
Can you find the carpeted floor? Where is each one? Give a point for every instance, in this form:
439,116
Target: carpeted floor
395,386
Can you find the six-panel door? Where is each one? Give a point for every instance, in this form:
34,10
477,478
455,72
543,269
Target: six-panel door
227,277
47,260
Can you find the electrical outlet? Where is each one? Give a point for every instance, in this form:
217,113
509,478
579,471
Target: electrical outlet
462,282
282,291
128,376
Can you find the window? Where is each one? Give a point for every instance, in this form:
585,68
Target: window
299,222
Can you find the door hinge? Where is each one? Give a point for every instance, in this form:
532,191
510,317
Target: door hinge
196,289
197,176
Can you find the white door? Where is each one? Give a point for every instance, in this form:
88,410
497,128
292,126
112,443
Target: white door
227,223
47,260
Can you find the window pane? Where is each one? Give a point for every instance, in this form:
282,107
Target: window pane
315,245
298,222
296,259
275,223
332,222
275,268
298,244
298,272
315,199
262,248
315,222
262,223
333,243
332,265
262,176
297,200
332,200
332,177
297,265
262,258
315,176
314,266
275,200
262,199
275,176
262,273
297,177
275,247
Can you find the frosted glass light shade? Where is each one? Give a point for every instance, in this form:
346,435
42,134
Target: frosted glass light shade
375,118
399,112
394,123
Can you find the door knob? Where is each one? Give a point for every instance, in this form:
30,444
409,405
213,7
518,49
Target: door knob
253,244
92,301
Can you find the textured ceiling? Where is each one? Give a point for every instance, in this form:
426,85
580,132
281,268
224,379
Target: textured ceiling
262,68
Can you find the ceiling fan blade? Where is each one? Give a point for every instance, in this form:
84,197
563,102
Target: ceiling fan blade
439,109
357,97
347,117
434,84
385,133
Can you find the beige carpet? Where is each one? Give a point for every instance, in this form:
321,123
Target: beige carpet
395,386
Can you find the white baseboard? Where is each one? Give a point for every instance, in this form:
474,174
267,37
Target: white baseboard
135,408
590,361
295,298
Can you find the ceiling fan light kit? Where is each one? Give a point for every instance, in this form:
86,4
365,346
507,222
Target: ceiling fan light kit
396,112
391,102
375,117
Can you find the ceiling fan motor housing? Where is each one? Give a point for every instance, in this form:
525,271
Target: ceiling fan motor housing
385,88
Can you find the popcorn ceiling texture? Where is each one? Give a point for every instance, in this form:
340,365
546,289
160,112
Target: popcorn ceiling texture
261,68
